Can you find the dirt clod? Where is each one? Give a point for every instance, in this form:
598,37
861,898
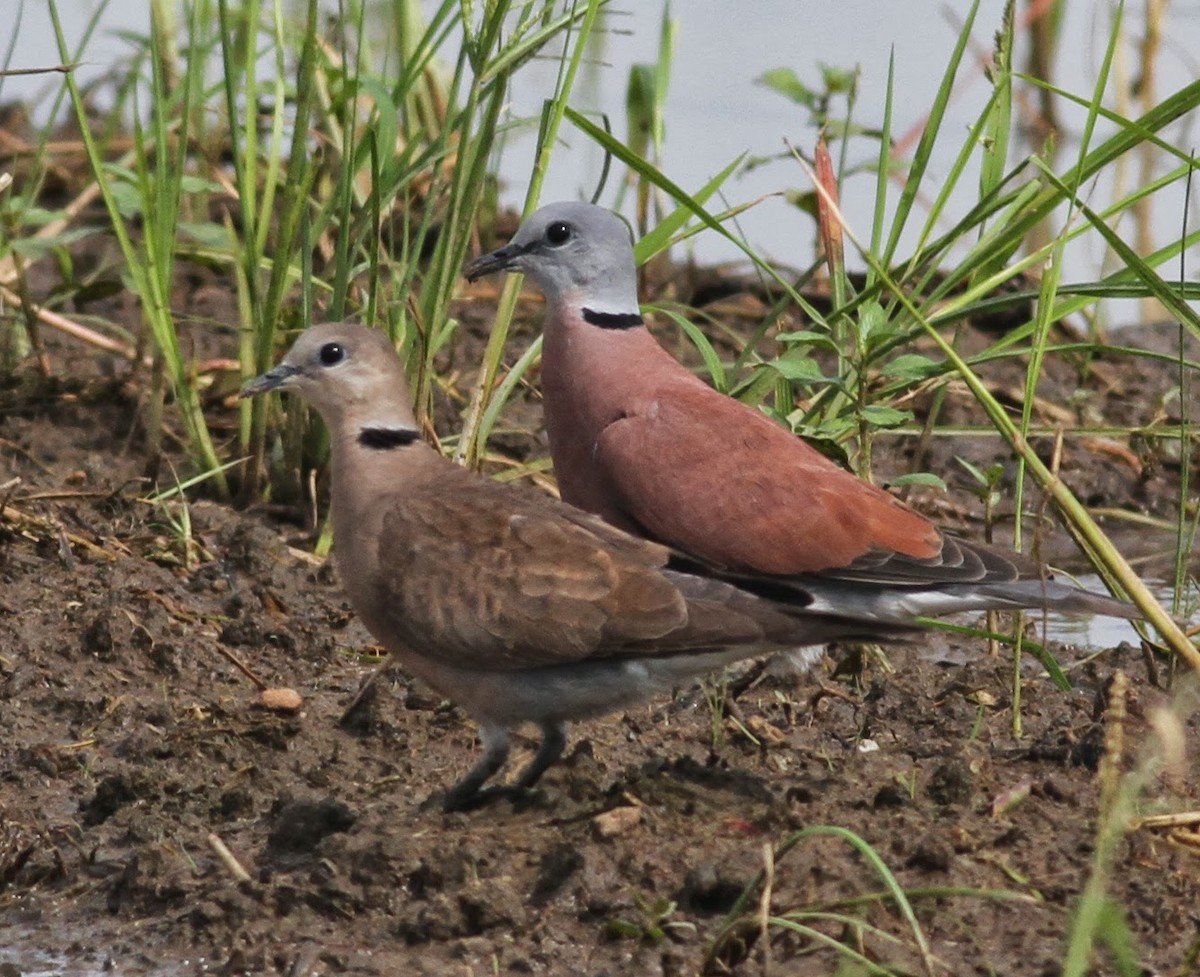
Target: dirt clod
299,825
952,783
615,822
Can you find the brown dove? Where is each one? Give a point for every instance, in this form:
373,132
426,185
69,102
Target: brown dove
638,439
519,608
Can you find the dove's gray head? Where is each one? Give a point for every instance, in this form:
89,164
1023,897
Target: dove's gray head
576,253
348,372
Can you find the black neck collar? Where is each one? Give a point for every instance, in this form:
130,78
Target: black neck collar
612,320
387,438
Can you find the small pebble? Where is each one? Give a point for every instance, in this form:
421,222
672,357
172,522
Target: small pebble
616,822
280,700
765,733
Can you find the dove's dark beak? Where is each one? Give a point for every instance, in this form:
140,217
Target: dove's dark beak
273,379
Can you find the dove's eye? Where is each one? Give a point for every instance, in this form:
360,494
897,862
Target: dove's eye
558,233
332,353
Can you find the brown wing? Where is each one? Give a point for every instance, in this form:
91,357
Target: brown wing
720,481
481,576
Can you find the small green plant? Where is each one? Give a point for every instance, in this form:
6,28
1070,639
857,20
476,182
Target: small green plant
986,482
716,695
854,943
908,780
810,923
653,924
172,504
986,489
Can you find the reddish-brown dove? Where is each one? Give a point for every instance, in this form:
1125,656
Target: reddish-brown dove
639,440
516,606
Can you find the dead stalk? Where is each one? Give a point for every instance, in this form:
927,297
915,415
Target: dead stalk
1114,742
764,906
227,858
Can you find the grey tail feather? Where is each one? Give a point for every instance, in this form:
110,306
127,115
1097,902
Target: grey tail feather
1057,597
897,604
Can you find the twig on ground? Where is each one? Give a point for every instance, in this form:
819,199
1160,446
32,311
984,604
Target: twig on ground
227,858
241,666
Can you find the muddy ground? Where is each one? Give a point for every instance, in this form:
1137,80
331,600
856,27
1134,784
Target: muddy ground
133,739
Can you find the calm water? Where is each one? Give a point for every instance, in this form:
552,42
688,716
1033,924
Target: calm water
1105,632
717,111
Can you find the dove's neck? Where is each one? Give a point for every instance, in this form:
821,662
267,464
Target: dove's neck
374,463
597,368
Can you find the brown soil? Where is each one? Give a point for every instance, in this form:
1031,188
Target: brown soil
131,738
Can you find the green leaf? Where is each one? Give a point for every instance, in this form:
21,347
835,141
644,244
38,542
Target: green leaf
788,84
384,117
206,234
872,323
801,369
712,361
998,121
919,478
838,80
1113,930
819,339
878,415
910,366
198,184
804,201
660,238
39,216
623,928
35,247
640,100
988,477
127,199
